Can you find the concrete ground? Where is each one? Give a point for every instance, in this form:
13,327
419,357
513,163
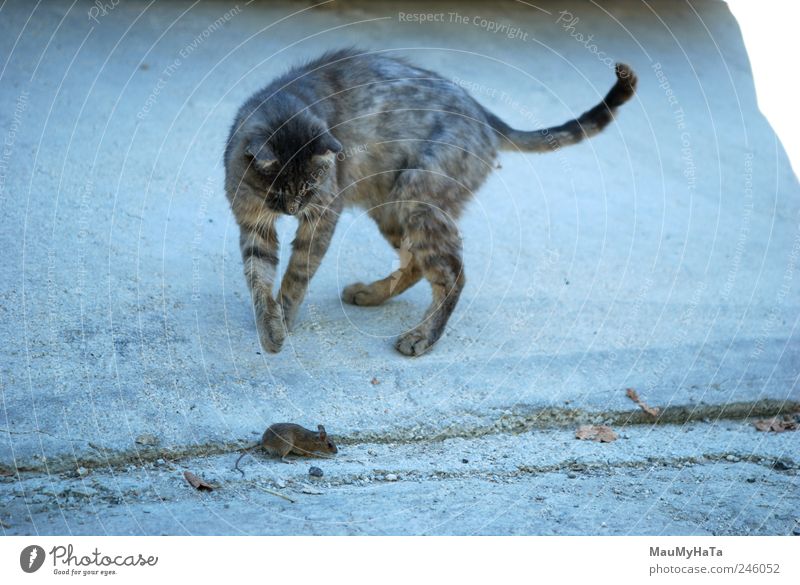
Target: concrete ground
661,256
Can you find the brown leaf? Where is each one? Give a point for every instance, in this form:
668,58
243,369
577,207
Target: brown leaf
599,433
197,483
651,410
776,424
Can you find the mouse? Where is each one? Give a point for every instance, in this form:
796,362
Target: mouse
281,439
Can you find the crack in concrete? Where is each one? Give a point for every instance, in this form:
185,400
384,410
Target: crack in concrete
508,423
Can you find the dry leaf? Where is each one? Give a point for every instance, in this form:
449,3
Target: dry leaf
197,483
652,411
776,424
599,433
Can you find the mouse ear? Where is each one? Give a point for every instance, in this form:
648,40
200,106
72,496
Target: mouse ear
322,433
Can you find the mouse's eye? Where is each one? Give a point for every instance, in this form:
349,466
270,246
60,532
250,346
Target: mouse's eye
330,445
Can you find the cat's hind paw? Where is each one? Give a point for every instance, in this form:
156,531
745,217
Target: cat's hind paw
363,295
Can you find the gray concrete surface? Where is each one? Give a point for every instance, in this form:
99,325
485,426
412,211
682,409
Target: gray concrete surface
661,256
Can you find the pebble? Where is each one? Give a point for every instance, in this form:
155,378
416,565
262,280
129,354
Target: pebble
751,480
782,465
280,483
465,461
82,471
572,475
315,472
147,440
391,477
732,458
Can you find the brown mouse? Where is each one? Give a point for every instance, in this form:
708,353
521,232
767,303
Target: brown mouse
281,439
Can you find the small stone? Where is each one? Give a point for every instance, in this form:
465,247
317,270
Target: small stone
465,461
572,475
82,471
391,477
160,462
751,480
371,452
732,458
782,465
147,440
315,472
280,483
796,531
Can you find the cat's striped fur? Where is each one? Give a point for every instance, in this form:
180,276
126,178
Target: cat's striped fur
427,146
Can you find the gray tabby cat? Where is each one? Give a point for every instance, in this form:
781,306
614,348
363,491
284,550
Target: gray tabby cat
294,149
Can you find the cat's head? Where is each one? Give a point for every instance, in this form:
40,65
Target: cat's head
286,165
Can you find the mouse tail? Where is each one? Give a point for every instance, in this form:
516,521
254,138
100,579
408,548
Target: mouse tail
586,125
245,452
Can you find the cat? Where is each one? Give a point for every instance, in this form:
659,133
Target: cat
374,131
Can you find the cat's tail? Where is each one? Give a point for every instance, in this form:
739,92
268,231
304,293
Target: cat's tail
586,125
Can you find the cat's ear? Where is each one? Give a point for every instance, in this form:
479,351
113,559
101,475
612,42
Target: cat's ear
326,145
263,157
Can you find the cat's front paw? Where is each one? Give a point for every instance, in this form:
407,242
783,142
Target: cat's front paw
414,343
271,330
